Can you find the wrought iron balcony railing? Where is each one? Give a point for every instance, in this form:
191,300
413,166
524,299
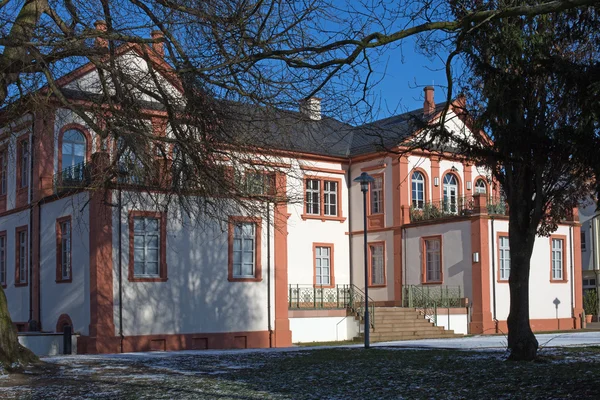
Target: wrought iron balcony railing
457,206
447,207
74,177
347,297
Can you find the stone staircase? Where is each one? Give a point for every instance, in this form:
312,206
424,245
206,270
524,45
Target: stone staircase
398,323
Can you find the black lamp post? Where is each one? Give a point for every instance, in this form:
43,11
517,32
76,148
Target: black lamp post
365,180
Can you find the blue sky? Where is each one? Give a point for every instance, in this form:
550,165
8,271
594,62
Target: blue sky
403,78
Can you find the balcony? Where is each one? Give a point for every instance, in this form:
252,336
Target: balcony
74,177
459,206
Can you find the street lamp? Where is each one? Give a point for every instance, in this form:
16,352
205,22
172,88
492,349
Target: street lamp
365,180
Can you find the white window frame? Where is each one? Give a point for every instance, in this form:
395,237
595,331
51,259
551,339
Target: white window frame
503,258
65,248
377,264
557,259
3,171
330,198
480,188
433,260
310,192
451,193
24,163
418,190
146,235
247,245
322,263
377,195
22,256
3,260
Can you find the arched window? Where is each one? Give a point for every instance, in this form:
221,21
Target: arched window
418,190
480,186
450,193
73,154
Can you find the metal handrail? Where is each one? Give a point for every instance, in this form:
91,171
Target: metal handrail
357,305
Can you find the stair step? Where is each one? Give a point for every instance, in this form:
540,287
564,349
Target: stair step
411,336
401,323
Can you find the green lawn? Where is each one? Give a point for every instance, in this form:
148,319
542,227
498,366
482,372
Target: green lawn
379,373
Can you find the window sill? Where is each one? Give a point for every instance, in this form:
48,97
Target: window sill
233,279
64,280
502,280
142,279
23,284
559,281
317,286
378,286
432,283
322,217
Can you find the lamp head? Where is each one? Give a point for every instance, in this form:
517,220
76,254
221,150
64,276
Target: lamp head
364,179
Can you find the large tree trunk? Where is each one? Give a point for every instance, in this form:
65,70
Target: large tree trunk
11,351
521,341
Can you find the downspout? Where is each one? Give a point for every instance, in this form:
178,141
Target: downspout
404,251
594,251
269,274
30,233
39,242
348,180
572,270
120,263
494,276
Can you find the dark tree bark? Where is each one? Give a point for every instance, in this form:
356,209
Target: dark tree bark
521,340
11,351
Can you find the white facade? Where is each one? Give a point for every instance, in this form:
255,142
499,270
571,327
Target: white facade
71,298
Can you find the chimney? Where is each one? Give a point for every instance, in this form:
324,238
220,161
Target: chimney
101,26
311,107
158,46
429,103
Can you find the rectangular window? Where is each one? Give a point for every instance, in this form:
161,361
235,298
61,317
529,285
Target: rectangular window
504,258
558,259
322,199
258,183
146,249
63,249
432,259
244,249
313,197
3,171
330,189
21,256
24,164
377,264
377,195
147,246
583,244
3,258
323,265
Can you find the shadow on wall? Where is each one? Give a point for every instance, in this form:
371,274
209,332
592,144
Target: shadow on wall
197,297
